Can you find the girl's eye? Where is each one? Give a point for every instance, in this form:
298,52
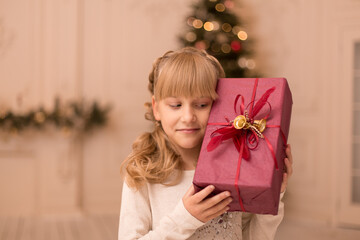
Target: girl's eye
202,105
175,105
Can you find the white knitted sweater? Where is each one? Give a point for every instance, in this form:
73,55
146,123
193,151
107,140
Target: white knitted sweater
157,212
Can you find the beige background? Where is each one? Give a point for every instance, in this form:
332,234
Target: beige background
104,49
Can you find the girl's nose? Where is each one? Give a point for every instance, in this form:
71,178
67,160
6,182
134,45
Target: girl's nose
188,115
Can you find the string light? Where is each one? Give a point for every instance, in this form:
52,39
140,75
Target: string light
226,27
197,23
216,25
221,38
235,46
209,26
229,4
250,64
220,7
190,36
242,62
39,117
246,63
190,21
242,35
225,48
236,30
201,45
215,47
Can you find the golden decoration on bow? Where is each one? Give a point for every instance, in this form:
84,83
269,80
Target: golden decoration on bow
242,122
260,124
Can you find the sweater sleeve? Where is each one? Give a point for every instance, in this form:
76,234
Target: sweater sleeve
261,226
136,219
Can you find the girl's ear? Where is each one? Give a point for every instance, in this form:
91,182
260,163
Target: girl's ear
155,109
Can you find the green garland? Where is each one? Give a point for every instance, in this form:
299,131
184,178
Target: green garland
75,115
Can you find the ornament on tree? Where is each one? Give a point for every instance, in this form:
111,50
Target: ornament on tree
214,26
235,46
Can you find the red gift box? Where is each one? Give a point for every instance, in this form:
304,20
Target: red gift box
235,155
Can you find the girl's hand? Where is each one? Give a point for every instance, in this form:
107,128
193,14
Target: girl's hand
288,168
206,209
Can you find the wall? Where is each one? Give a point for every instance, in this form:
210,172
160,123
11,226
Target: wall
94,49
103,49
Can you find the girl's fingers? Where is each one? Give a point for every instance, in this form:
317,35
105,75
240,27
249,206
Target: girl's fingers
218,209
217,206
288,164
199,196
218,213
210,202
284,182
288,153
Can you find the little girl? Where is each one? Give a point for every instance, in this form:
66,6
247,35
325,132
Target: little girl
158,198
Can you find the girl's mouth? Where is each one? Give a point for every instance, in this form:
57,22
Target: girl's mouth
188,130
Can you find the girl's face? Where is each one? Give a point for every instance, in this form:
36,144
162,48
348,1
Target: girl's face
183,119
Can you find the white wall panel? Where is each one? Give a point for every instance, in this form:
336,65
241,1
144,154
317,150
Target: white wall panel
18,181
19,59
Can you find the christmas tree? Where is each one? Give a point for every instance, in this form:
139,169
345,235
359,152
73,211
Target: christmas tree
213,26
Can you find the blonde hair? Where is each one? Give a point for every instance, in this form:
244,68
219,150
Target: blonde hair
186,72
